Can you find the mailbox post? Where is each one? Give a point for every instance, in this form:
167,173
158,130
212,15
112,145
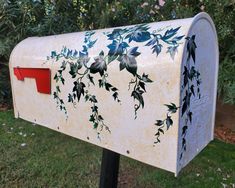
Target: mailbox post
145,91
109,169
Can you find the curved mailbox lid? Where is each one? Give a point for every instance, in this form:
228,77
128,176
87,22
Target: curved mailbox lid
117,100
196,125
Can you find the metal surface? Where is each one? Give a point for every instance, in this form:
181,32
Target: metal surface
109,169
144,91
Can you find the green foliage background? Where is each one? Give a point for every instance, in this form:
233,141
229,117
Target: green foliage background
25,18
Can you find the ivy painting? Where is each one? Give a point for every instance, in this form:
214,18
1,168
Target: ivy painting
143,91
120,50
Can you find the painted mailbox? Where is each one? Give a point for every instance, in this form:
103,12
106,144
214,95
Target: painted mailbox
145,91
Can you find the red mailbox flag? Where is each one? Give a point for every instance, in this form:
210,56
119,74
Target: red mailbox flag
42,77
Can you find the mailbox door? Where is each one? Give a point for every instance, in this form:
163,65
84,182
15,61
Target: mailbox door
198,89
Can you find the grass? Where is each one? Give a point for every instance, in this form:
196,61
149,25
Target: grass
51,159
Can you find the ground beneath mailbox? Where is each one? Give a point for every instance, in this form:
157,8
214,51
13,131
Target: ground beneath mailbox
225,134
225,122
4,107
34,156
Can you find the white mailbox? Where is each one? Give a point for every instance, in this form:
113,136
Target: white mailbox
145,91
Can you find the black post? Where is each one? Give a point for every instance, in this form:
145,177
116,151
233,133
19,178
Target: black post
109,169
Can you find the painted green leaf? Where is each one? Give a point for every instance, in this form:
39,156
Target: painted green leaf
191,47
93,99
79,89
92,118
140,34
117,48
133,51
190,114
55,95
83,60
58,89
53,54
169,122
116,33
172,107
172,51
112,58
56,78
100,118
73,69
145,78
108,86
101,83
159,123
184,144
192,73
161,130
91,79
157,49
70,98
94,108
170,33
99,66
115,95
122,64
63,66
114,89
95,125
86,97
157,134
62,80
128,62
137,94
184,129
142,85
192,90
186,75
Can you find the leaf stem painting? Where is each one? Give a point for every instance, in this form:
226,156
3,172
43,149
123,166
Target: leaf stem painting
119,51
190,88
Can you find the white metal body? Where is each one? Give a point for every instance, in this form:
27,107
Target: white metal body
167,60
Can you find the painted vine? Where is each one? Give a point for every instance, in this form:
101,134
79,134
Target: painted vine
165,123
120,50
189,88
82,75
